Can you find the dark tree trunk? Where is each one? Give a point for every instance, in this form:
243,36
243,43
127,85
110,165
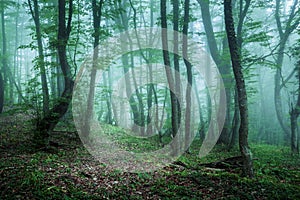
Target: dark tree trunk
241,90
171,82
295,112
48,123
41,62
176,56
222,64
243,10
294,137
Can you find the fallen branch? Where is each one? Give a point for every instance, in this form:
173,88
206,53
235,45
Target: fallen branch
228,163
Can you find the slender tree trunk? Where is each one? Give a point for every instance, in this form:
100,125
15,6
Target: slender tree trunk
4,59
294,140
59,79
292,24
97,13
41,60
123,21
201,126
294,114
241,90
53,76
176,57
227,79
1,92
235,122
15,71
222,64
189,75
112,107
151,89
171,82
277,91
141,120
48,123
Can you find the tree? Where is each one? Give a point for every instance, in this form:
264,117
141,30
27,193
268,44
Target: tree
41,58
294,114
189,75
241,89
177,80
49,121
291,24
220,58
167,63
295,109
97,14
1,92
3,79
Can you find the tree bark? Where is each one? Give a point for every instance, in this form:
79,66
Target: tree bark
176,57
294,114
41,62
97,13
48,123
171,82
241,90
222,64
189,75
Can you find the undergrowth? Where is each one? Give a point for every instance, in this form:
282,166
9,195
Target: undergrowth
70,172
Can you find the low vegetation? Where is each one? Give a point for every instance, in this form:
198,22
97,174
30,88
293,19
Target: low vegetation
68,171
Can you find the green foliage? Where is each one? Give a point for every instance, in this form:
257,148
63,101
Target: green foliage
6,4
34,96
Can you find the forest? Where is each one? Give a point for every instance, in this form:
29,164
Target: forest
157,99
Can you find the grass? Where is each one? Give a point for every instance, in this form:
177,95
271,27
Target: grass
70,172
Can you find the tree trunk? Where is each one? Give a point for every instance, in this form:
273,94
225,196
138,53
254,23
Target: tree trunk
48,123
171,82
141,120
176,57
15,70
235,122
1,92
284,35
277,91
201,126
41,62
294,140
134,105
222,64
189,76
241,89
295,112
4,61
97,13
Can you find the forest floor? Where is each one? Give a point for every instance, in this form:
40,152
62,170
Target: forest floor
70,172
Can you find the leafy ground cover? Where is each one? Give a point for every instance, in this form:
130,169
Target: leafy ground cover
68,171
